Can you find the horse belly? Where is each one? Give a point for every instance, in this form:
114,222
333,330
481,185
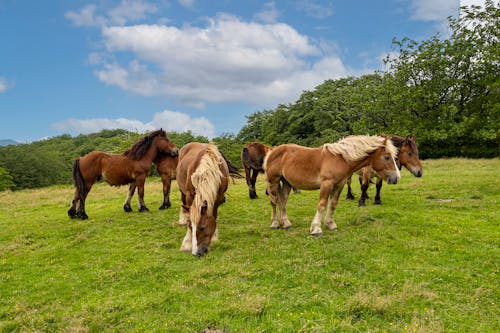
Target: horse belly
303,182
117,179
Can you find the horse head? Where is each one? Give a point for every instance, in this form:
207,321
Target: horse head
408,156
165,146
202,231
384,163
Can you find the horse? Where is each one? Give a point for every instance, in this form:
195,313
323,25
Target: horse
203,177
325,168
407,157
166,165
252,158
130,167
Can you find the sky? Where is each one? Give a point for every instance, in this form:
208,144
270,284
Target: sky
77,67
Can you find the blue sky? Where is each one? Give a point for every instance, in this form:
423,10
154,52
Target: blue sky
81,66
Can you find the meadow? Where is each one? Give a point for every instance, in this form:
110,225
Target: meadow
427,260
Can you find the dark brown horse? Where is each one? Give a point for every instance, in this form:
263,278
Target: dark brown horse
325,168
166,165
203,178
131,167
252,158
407,157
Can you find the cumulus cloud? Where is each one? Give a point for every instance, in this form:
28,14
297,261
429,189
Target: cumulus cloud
431,10
228,60
170,121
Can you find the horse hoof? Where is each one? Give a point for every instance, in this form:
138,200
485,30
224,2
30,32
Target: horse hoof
143,209
318,234
349,197
274,228
287,228
377,203
361,204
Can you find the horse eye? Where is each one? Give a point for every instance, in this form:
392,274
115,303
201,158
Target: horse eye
409,153
387,158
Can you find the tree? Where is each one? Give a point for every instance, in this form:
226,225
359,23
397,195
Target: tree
6,180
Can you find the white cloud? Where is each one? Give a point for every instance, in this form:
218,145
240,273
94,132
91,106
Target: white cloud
316,10
5,84
126,11
130,11
170,121
432,10
269,14
229,60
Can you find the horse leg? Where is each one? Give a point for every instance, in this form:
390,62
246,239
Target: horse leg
379,187
140,195
324,193
365,183
184,213
253,193
166,192
80,211
334,199
74,204
283,198
187,242
273,192
126,206
349,195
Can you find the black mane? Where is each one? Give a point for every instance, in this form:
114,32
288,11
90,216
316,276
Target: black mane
139,149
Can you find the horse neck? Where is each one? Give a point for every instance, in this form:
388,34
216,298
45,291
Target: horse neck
151,154
356,165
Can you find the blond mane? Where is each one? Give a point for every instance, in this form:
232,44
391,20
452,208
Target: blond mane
356,147
206,180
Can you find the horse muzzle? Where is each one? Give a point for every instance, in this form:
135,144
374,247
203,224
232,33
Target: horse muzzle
392,178
417,172
202,250
174,152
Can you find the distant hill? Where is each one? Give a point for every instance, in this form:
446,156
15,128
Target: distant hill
7,142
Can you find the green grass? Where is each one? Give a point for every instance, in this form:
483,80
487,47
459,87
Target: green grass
427,260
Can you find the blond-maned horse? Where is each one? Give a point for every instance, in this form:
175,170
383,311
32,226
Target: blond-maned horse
407,157
131,167
203,178
325,168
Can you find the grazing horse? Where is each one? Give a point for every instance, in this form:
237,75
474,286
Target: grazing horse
407,157
252,158
166,165
131,167
203,177
325,168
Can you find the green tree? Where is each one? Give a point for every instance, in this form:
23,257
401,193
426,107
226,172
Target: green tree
6,180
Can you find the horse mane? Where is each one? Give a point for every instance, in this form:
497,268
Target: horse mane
206,180
356,147
139,149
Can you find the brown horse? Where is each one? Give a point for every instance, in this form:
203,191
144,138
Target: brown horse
252,158
407,157
131,167
166,165
326,168
203,178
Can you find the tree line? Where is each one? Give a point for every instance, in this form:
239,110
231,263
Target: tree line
444,90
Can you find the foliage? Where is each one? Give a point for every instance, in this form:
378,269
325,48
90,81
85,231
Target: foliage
444,90
6,180
425,261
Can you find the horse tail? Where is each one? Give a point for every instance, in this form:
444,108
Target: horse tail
206,180
233,171
245,158
78,179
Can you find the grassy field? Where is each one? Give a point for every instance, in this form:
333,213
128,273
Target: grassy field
427,260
